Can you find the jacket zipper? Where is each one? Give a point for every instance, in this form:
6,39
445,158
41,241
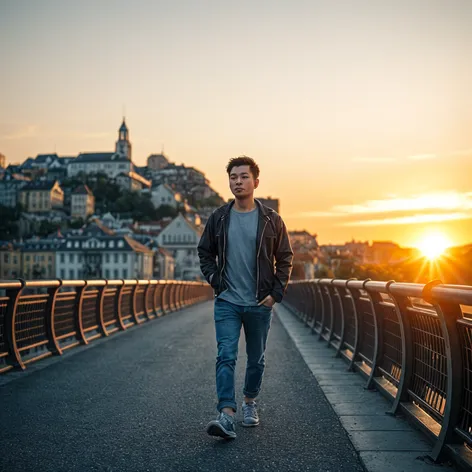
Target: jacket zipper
224,251
257,258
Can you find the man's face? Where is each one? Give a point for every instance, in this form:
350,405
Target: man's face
242,182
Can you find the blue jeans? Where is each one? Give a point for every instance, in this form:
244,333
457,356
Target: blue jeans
228,321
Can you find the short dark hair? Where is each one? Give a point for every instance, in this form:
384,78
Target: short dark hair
243,161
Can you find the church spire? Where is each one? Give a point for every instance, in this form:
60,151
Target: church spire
123,145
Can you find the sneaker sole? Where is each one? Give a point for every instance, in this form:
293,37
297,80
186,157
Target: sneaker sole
249,425
215,429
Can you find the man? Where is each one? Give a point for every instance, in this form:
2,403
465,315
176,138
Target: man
240,244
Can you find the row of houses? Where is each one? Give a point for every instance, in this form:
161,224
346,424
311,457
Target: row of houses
189,181
97,251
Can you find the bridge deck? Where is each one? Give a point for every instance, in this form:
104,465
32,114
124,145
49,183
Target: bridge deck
140,401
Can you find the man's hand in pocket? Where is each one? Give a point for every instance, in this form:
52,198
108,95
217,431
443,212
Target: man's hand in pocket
267,301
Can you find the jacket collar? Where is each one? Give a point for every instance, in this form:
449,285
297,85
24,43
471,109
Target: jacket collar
264,212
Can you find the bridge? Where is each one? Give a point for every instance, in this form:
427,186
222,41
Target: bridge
119,375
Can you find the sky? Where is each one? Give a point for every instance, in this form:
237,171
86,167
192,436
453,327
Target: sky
359,113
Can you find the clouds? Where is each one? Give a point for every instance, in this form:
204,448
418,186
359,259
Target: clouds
417,209
414,157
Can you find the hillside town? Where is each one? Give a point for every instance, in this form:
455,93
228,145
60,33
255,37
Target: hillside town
98,215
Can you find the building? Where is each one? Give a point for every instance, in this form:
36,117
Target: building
164,265
99,253
181,238
109,163
10,260
304,265
271,203
163,194
82,202
157,162
3,161
303,240
41,196
132,182
380,252
38,258
10,185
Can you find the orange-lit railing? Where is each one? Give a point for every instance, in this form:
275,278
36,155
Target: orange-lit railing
412,342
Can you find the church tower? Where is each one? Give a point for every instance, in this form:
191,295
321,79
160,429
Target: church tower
123,146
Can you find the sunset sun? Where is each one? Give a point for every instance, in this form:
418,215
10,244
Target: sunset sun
433,245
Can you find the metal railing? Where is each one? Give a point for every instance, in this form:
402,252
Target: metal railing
43,318
412,342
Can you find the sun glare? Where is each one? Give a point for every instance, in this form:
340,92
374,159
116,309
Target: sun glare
433,245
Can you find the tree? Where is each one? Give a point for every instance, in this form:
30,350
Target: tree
46,227
163,211
76,224
9,222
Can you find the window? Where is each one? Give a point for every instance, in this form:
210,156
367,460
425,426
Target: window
71,257
50,258
69,244
71,274
107,258
115,272
107,273
63,274
121,244
125,273
112,244
5,258
27,258
62,258
125,258
116,258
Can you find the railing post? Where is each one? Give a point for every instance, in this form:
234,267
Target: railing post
354,286
50,308
147,313
449,314
375,300
164,307
14,356
100,309
157,299
134,303
401,307
119,300
79,324
326,307
341,284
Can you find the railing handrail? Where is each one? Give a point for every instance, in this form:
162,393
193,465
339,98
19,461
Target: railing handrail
56,315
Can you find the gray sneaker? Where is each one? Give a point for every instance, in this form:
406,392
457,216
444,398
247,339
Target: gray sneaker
250,416
223,426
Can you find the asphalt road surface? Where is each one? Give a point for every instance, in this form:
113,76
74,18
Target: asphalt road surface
140,401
